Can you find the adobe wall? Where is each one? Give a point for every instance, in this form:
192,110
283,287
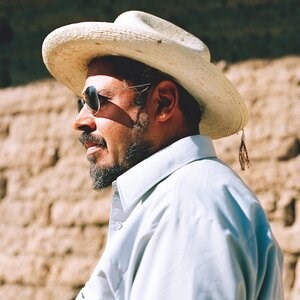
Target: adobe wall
245,28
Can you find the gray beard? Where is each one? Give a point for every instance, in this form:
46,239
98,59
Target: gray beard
103,177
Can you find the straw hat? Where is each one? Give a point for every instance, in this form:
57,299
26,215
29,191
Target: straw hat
160,44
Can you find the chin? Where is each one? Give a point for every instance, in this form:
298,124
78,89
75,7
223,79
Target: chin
103,177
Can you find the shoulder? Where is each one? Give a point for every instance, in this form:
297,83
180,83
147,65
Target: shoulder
210,190
210,179
211,173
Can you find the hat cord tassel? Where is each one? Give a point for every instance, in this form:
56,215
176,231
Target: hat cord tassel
243,153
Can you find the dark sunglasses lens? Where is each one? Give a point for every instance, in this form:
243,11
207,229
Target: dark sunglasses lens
80,104
92,99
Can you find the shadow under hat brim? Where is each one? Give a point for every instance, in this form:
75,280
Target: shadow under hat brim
68,50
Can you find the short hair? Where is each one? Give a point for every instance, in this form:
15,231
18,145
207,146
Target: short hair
137,73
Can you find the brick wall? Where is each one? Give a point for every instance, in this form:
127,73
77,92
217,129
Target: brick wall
53,226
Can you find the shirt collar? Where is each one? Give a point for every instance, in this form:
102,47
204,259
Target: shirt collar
134,183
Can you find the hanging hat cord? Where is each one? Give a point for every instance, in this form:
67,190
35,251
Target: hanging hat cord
243,153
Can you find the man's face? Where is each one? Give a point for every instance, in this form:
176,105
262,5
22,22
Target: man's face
116,136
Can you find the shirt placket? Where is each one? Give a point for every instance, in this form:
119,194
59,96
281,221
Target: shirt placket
117,214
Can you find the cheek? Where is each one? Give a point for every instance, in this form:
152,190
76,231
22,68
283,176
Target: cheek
116,135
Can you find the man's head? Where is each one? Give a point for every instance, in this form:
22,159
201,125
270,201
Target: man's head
141,111
134,122
68,50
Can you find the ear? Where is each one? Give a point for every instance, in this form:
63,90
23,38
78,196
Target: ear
166,100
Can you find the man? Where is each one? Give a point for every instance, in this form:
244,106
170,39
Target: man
182,224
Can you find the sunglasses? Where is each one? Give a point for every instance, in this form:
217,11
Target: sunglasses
93,99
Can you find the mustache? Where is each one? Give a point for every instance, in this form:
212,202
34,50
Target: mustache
86,138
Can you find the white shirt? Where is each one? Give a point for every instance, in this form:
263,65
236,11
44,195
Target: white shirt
184,226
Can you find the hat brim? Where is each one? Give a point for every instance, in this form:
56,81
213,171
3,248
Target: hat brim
68,50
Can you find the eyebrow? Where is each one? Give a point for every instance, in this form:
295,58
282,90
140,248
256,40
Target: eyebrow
106,92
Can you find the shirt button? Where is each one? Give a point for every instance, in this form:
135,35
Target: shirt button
119,225
116,226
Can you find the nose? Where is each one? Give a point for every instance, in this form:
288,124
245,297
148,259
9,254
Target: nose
85,121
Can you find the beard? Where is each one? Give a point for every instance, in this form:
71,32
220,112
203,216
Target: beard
138,150
103,177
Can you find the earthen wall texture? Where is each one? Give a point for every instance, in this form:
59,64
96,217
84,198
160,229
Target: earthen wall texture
53,226
245,28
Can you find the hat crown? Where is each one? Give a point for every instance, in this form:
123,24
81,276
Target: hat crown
167,31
